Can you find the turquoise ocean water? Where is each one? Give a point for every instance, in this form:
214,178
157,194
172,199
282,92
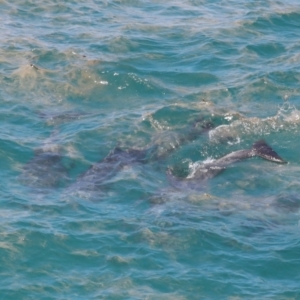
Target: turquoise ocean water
98,99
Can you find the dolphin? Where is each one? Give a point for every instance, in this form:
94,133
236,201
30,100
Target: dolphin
45,169
57,118
161,150
95,178
209,170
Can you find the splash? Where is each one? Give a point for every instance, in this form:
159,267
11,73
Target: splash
286,119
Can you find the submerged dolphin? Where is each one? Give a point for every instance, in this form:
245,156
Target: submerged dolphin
99,173
163,149
94,179
209,170
45,169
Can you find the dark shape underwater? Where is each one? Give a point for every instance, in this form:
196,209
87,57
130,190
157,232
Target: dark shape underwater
95,178
45,169
92,182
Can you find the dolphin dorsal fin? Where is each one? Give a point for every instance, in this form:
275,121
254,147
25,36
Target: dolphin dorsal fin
262,149
117,150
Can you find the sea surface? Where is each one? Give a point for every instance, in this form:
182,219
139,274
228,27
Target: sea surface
100,100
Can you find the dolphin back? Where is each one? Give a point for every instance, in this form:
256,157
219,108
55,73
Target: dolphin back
210,170
262,149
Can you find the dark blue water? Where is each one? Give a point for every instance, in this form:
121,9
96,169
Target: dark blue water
98,100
